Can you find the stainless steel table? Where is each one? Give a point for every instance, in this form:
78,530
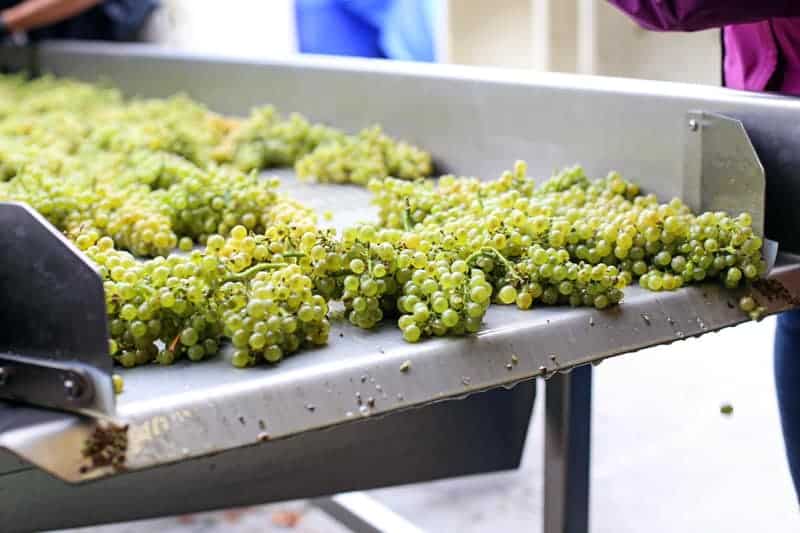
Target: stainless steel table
344,417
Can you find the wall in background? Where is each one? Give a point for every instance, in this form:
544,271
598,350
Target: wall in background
498,33
622,48
586,36
254,28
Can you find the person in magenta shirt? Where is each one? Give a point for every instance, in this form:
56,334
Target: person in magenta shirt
761,42
761,38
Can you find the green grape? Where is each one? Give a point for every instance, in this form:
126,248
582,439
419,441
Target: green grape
507,294
411,333
747,304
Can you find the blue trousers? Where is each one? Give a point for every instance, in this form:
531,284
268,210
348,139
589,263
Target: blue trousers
787,381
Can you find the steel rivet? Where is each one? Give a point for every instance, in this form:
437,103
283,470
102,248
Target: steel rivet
693,125
73,387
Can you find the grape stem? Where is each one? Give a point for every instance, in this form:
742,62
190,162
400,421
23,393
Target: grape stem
174,343
407,219
246,274
495,254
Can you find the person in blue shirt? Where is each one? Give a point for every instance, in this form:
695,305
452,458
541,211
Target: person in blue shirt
390,29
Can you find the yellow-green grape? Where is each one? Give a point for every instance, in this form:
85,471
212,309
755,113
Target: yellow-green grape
747,304
119,384
507,294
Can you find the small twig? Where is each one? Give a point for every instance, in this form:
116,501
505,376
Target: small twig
245,274
174,343
495,254
407,225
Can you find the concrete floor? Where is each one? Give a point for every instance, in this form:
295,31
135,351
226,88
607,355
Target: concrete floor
664,458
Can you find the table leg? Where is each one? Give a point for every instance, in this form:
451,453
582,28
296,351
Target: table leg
568,413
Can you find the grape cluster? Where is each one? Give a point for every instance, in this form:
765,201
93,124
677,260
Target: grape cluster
571,240
377,273
711,246
444,297
161,309
137,179
176,125
267,140
277,314
548,276
154,174
319,152
150,205
357,159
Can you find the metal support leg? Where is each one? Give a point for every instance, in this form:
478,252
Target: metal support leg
568,410
363,514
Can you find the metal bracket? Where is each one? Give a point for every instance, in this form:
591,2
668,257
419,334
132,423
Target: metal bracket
53,339
67,386
722,170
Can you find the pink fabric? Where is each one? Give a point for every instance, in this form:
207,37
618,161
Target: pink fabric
762,37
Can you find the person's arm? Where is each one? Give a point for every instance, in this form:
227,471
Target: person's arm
33,14
693,15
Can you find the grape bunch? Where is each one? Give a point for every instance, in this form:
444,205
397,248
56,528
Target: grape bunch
156,174
177,125
370,264
161,309
395,274
277,314
711,246
357,159
441,297
265,140
550,277
572,240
